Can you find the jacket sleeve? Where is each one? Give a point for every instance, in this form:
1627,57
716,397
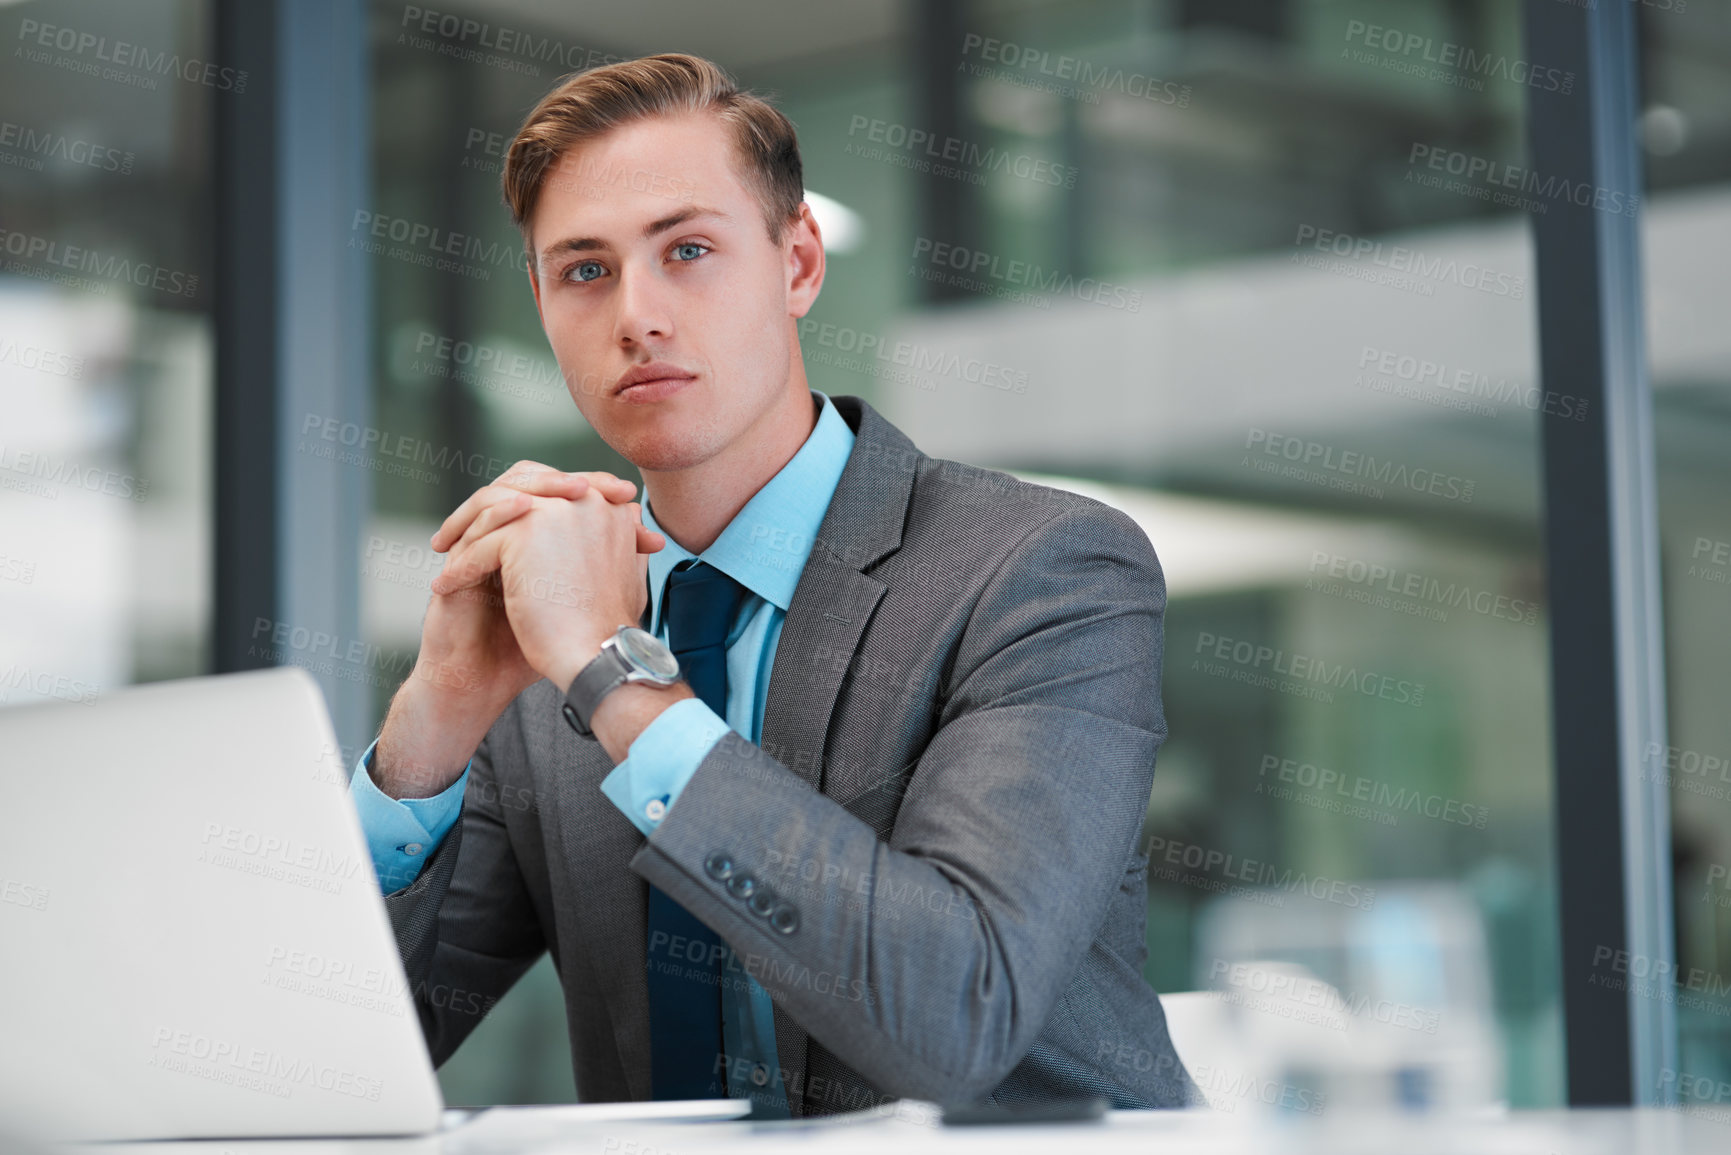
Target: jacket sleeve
466,928
931,962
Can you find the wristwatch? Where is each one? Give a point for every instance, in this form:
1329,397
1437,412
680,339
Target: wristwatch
630,655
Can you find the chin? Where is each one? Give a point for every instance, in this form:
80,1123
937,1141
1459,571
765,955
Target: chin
662,450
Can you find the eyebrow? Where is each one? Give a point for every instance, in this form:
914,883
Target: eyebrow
670,221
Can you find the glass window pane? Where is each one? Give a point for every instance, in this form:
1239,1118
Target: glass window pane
1686,242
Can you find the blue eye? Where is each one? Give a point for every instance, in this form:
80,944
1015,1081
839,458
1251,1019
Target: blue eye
690,245
577,274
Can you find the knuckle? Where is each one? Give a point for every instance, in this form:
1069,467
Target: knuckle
520,472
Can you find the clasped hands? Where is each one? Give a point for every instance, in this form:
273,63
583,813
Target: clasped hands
541,567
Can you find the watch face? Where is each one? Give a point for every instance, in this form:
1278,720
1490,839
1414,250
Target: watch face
646,652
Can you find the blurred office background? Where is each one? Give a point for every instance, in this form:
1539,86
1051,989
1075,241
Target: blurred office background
1184,315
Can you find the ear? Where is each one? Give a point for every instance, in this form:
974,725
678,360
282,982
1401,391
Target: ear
805,262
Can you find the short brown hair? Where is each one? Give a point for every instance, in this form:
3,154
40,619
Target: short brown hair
588,104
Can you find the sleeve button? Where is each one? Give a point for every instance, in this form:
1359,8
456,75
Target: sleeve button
762,901
718,866
784,918
656,810
741,885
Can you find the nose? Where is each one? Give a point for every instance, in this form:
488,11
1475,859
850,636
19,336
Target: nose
643,312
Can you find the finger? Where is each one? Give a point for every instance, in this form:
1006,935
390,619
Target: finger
501,513
471,564
614,488
501,508
611,486
648,540
531,477
507,506
525,477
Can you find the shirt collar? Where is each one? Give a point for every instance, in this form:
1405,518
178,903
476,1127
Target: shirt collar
765,546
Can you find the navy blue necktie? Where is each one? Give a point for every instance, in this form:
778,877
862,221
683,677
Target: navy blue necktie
685,1036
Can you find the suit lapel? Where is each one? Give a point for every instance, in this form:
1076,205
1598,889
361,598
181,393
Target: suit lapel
822,630
833,598
818,639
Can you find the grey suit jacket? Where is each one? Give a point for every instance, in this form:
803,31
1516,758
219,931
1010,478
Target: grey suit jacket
941,820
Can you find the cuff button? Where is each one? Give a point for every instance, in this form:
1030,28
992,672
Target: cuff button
762,901
784,918
741,886
718,866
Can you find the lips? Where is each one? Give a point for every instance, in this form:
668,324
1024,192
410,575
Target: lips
657,377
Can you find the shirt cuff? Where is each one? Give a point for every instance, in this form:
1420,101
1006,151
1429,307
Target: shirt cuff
402,833
661,761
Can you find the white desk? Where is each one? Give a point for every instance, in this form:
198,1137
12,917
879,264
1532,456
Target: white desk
907,1128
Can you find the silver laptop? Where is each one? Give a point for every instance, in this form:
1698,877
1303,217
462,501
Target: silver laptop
192,940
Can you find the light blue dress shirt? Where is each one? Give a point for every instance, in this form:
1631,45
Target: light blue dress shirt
764,548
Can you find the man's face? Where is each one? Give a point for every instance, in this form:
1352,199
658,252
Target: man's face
649,251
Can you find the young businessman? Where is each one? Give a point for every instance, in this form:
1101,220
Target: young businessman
820,774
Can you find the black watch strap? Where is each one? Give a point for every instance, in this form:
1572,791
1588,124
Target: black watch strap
595,681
